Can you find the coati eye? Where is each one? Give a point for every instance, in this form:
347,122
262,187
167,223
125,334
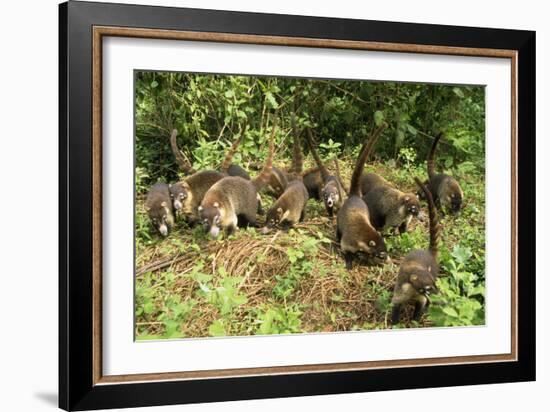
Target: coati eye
372,243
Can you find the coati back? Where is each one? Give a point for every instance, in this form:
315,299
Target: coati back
314,182
159,208
234,201
419,269
354,230
445,190
289,208
388,206
332,192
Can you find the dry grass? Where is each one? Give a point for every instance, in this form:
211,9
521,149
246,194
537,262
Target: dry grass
322,297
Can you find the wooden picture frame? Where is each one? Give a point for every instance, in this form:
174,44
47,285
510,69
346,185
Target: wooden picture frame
82,27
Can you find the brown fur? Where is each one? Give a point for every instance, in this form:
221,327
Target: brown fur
159,208
187,195
354,230
331,191
234,201
445,189
419,270
389,207
180,159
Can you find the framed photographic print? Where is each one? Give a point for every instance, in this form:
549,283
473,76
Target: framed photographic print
257,205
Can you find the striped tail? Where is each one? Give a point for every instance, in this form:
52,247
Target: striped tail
232,150
435,227
431,156
324,171
355,185
180,160
263,178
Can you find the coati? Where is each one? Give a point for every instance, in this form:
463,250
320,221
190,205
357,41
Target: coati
277,182
234,201
187,195
314,182
418,270
389,207
159,208
331,191
355,231
226,168
290,207
445,190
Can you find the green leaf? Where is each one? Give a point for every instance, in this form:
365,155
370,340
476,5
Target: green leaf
154,84
229,94
450,311
271,100
378,117
458,92
216,329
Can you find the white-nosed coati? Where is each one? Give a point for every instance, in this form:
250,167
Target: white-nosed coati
226,168
314,181
388,207
290,207
331,191
355,231
445,190
159,208
234,201
187,195
418,270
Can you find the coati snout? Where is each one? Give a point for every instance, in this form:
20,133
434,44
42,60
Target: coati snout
211,218
158,206
412,204
178,193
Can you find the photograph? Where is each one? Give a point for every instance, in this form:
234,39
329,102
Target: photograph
283,205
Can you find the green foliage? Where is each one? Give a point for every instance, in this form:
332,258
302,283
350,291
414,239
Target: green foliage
209,112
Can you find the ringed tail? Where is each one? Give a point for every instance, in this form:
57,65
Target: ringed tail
263,178
324,171
297,157
355,185
180,160
435,227
232,150
431,156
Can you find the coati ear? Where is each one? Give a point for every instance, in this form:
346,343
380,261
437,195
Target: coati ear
407,198
200,208
279,210
163,204
147,208
372,243
216,204
414,277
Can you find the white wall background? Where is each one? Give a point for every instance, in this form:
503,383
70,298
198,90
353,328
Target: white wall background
28,203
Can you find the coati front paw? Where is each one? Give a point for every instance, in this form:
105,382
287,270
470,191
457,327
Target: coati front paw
349,260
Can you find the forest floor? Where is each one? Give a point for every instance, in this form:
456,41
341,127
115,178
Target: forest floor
189,285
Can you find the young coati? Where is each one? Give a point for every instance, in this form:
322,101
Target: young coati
445,190
355,231
290,207
159,208
226,168
389,207
187,195
331,191
314,182
418,270
234,201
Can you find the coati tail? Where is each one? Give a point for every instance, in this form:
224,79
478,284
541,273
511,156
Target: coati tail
180,160
324,171
431,156
263,178
338,176
435,227
297,157
355,186
232,150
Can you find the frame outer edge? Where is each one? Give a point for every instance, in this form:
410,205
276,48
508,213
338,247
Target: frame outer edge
63,332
